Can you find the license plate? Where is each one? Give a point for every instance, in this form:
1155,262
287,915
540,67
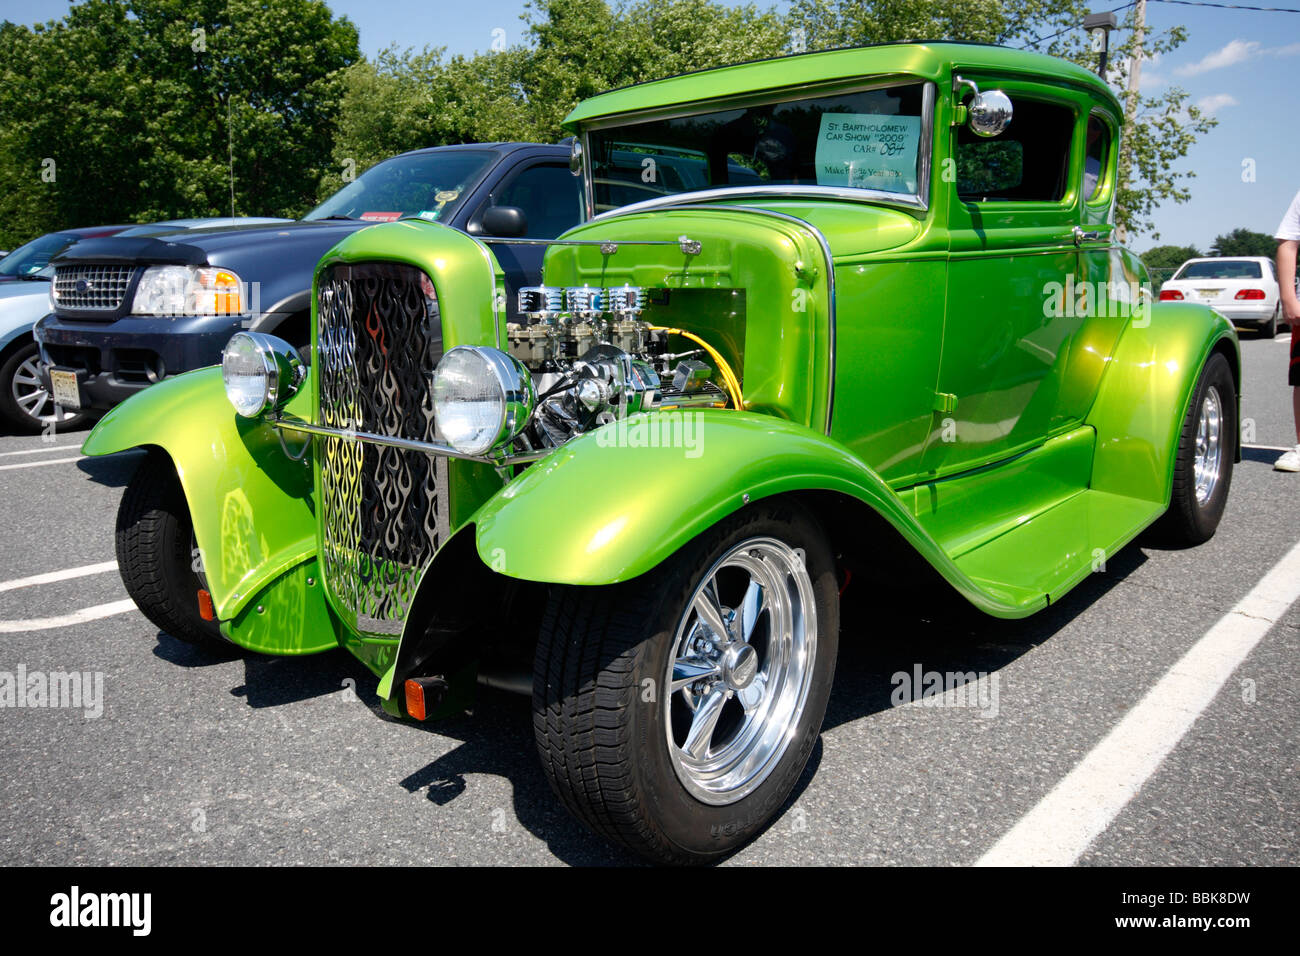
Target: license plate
1208,293
66,391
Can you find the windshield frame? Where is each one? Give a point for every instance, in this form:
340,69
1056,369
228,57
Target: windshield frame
491,157
917,203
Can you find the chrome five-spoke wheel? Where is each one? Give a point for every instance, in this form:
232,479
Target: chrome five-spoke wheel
740,670
1209,446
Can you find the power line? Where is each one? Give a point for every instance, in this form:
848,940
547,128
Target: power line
1182,3
1037,40
1228,6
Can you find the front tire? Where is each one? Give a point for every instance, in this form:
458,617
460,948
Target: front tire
673,714
156,554
25,403
1207,448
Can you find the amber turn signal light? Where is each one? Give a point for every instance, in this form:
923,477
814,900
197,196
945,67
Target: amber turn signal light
206,610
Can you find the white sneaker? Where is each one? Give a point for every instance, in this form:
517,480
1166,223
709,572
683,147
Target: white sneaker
1289,462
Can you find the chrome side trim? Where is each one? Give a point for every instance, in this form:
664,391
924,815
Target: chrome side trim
830,280
409,444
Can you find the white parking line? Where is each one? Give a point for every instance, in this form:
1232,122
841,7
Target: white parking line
36,451
65,620
51,576
38,464
1088,798
1267,447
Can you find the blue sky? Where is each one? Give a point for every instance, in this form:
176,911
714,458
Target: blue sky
1243,65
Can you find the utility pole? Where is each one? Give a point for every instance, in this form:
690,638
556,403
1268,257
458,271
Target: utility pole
1132,99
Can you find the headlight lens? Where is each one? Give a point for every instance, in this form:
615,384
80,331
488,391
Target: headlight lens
260,372
188,290
482,398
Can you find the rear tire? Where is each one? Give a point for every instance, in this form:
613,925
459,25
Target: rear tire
1207,448
1268,330
155,553
686,774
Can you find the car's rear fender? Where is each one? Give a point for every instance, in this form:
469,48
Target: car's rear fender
1144,394
251,504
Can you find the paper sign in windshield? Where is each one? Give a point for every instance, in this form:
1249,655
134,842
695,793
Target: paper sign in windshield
868,151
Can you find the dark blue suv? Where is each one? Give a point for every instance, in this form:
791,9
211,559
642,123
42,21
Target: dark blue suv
129,312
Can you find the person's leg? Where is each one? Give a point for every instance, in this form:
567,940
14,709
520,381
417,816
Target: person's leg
1291,460
1295,411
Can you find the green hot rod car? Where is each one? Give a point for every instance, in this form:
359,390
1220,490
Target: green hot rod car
832,311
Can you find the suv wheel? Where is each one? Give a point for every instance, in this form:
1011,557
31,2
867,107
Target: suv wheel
673,714
24,402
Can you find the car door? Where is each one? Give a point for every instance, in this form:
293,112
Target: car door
1013,263
551,199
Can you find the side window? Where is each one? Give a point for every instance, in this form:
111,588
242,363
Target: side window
550,196
1027,163
1094,160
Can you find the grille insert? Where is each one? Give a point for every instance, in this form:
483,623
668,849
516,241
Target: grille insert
383,509
91,288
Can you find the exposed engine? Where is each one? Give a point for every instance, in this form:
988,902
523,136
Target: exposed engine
595,360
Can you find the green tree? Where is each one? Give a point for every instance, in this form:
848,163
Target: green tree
1169,257
1244,242
571,49
152,109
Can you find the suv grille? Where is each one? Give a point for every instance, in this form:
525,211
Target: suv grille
91,288
383,510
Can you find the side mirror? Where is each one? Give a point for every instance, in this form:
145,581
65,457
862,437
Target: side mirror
575,156
508,222
990,113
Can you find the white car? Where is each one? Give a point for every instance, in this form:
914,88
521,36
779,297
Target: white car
1243,289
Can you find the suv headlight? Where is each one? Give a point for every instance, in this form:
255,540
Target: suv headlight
260,372
482,398
188,290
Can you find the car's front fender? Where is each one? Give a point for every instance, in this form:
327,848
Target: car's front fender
254,519
616,502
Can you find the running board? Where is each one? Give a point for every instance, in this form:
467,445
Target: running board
1052,552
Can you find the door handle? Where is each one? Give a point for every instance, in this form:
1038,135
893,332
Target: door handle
1079,236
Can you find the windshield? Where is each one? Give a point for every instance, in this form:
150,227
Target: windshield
33,258
1224,269
870,139
430,185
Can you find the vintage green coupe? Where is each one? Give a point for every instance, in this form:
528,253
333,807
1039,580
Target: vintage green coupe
858,310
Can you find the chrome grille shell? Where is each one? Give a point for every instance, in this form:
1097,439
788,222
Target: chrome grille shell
383,509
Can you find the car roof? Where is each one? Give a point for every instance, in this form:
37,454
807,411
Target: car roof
1188,262
499,147
927,59
92,232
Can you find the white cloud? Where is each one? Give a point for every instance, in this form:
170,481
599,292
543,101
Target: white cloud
1216,102
1235,52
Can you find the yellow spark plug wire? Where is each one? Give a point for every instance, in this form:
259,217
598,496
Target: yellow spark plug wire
729,379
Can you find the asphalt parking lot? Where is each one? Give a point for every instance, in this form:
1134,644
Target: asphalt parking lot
197,759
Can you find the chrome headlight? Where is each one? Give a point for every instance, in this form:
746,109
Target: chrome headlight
260,372
482,398
188,290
